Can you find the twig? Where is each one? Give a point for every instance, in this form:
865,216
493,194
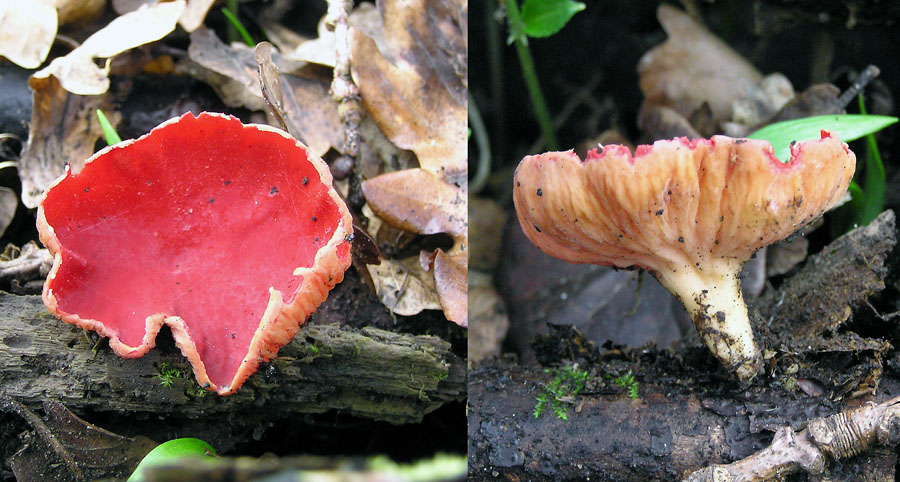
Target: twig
343,90
859,84
839,436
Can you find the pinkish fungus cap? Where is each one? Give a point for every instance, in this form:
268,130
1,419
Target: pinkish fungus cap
231,234
690,211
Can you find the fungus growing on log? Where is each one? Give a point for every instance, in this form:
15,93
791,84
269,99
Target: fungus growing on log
230,234
689,211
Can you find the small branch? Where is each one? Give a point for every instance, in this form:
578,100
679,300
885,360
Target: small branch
839,436
859,84
343,90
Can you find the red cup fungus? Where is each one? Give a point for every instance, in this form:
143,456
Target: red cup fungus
689,211
230,234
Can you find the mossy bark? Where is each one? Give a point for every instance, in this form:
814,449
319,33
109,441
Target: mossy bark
368,373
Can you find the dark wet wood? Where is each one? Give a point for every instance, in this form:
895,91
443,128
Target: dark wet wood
366,372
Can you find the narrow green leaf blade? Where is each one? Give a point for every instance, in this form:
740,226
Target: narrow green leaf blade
112,137
544,18
848,127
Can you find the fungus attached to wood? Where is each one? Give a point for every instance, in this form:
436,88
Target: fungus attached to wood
230,234
690,211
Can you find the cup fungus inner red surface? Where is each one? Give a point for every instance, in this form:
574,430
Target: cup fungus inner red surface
231,234
690,211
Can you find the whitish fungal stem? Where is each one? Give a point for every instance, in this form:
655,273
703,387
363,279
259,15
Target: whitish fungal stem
711,293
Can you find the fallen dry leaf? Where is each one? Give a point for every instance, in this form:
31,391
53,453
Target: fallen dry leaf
63,130
320,50
77,71
27,30
692,67
233,72
194,12
404,287
412,77
418,201
451,281
409,61
8,203
62,446
78,11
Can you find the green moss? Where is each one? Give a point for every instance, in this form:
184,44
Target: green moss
561,391
628,382
167,374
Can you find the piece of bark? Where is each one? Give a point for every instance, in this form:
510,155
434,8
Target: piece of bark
689,414
369,373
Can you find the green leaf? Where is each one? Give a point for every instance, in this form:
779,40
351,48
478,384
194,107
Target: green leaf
171,450
848,127
112,137
544,18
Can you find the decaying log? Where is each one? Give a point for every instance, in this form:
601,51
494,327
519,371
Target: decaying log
827,353
675,427
368,373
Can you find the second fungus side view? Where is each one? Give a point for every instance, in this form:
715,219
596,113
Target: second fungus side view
689,211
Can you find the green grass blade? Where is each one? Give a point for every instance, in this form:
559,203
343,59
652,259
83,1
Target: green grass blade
848,127
239,26
112,137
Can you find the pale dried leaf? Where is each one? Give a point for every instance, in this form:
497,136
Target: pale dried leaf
418,201
451,282
692,67
233,72
78,73
63,130
77,11
8,203
412,78
194,12
319,50
404,287
27,30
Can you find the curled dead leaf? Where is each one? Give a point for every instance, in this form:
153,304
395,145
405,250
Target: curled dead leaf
412,77
63,130
416,200
27,30
404,287
233,72
77,71
8,203
692,67
451,281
